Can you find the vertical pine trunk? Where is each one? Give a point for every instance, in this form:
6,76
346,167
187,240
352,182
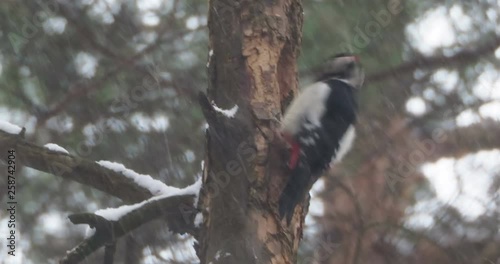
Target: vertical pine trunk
253,50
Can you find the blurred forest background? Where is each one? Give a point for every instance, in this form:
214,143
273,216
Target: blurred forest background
117,80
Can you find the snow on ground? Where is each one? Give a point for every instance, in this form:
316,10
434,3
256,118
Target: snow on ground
55,147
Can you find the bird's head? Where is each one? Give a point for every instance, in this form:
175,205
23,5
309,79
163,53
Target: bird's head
345,67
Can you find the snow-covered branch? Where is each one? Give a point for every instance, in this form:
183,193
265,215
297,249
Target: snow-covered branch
152,197
113,223
74,168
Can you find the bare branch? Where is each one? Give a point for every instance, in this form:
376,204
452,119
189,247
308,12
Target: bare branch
121,62
418,235
463,57
464,140
109,253
74,94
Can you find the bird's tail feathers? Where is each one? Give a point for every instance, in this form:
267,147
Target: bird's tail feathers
295,191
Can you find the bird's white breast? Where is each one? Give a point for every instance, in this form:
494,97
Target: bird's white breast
310,104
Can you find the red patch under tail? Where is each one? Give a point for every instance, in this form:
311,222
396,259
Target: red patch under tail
294,155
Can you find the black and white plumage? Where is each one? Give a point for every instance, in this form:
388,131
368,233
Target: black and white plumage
319,126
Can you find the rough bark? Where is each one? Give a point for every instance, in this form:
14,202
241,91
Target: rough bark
254,46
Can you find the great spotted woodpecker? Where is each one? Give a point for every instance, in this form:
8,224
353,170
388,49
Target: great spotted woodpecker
319,127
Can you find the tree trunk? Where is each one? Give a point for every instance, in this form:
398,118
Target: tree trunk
252,64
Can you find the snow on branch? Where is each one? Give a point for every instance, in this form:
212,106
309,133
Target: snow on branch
73,168
178,205
55,148
156,187
114,214
111,224
9,127
230,113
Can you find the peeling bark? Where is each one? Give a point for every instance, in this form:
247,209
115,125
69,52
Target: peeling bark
253,64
